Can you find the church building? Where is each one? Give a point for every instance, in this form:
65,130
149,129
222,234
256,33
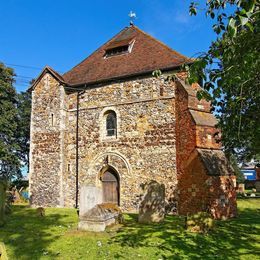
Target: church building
110,123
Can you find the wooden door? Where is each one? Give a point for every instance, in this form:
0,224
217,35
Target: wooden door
110,186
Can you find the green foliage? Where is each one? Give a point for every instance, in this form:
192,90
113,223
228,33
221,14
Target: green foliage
3,252
55,236
14,126
237,171
231,74
2,202
19,183
9,161
23,133
199,223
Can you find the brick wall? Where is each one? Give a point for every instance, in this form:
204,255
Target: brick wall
196,189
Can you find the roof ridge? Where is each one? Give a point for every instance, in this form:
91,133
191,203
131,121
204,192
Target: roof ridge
52,71
101,46
161,43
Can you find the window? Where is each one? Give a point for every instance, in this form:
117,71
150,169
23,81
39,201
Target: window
117,51
111,124
52,119
119,47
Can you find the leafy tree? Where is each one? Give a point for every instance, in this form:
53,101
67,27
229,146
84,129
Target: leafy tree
237,171
231,72
23,123
9,161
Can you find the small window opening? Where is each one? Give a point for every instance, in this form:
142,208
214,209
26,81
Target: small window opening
68,167
117,50
111,123
52,119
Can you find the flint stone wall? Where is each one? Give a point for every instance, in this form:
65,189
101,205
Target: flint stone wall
145,145
48,119
143,150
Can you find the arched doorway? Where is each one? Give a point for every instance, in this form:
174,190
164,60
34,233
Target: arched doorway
110,186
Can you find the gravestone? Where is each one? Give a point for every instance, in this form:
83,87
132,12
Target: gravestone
241,187
90,196
152,206
257,186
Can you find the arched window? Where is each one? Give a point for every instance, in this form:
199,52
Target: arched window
111,124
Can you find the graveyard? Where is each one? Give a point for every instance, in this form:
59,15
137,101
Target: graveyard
27,235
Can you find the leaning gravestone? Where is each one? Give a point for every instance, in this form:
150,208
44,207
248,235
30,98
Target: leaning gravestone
90,196
152,207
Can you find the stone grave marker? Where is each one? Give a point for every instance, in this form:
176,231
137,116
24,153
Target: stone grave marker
241,187
257,186
90,196
152,206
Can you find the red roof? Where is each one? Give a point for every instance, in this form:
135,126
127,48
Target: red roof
147,55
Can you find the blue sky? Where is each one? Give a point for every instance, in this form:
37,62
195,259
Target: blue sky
61,33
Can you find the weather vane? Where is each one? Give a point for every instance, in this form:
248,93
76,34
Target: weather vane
132,16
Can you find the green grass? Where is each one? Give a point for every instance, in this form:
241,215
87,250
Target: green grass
55,236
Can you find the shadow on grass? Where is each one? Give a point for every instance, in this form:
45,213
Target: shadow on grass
230,239
27,235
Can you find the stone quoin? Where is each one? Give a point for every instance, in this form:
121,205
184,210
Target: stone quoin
110,124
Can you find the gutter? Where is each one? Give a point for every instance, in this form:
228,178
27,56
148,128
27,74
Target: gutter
77,152
122,77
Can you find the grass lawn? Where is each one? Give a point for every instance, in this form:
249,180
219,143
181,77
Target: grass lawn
28,236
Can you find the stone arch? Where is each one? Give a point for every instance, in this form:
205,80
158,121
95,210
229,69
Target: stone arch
112,159
91,172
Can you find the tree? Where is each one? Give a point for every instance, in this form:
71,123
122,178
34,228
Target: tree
23,123
9,161
230,70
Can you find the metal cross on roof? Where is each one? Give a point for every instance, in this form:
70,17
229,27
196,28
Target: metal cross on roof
132,16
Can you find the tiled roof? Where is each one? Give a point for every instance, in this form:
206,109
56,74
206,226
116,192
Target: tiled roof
203,118
215,162
147,55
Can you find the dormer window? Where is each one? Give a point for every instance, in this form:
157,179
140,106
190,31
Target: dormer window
118,48
117,51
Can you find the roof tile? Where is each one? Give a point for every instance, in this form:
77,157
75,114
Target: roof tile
147,54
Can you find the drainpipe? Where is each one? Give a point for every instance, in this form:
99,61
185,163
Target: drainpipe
77,152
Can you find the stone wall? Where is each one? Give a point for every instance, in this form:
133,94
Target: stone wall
47,143
144,148
156,138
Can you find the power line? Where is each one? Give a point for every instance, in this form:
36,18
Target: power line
28,67
23,66
25,77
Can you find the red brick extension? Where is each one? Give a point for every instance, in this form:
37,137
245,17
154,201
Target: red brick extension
204,184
